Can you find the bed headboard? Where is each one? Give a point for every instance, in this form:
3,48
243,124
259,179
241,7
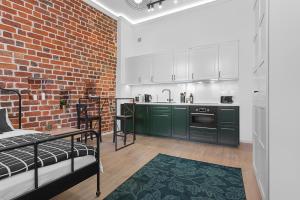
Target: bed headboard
20,102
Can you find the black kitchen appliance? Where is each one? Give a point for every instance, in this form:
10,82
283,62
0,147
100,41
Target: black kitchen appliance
148,98
182,97
203,124
226,99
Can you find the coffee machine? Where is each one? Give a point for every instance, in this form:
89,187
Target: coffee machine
148,98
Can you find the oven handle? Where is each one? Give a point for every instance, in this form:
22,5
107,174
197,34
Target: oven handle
202,114
202,127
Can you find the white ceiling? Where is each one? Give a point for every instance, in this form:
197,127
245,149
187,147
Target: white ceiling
120,8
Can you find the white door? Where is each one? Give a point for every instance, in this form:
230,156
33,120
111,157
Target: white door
162,67
261,100
203,63
229,61
138,70
180,65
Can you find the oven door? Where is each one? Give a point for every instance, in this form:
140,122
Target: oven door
205,120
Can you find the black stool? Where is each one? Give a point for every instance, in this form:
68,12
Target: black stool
126,118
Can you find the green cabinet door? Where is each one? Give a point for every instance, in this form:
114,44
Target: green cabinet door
228,116
142,119
161,121
228,136
180,121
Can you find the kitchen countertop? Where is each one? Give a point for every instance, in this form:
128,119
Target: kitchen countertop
187,104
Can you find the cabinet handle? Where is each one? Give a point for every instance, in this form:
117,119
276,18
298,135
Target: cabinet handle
232,129
152,78
192,75
202,127
219,74
174,77
180,108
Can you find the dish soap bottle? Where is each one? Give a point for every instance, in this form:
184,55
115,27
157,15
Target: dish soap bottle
191,98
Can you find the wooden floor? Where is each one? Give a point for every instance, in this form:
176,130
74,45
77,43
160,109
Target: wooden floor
118,166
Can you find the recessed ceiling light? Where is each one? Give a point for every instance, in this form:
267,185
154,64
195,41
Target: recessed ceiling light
160,5
175,1
138,1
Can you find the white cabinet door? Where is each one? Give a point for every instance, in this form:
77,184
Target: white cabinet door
145,64
203,63
132,75
180,65
162,67
229,61
138,70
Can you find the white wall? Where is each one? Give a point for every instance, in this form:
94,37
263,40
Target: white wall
125,49
210,24
284,96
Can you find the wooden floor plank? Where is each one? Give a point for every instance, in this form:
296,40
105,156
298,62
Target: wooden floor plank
119,166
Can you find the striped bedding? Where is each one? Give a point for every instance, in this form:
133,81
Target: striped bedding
22,159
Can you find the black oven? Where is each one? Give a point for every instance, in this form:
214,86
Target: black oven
203,123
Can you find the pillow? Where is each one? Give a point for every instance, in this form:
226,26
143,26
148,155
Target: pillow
5,124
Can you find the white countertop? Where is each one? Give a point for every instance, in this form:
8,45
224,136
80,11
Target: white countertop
187,104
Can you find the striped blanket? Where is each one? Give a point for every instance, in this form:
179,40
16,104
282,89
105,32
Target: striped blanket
22,159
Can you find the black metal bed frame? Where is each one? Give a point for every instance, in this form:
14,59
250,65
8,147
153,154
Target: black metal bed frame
63,183
20,103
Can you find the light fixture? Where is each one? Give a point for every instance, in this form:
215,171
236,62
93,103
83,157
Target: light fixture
175,1
160,5
152,4
138,1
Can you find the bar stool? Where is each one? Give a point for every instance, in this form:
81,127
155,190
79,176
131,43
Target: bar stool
126,118
83,116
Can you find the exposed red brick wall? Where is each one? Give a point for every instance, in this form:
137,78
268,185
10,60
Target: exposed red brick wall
55,46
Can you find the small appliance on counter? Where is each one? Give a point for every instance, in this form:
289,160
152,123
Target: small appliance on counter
139,98
191,98
227,99
148,98
182,97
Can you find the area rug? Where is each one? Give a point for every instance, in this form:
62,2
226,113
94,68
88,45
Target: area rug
172,178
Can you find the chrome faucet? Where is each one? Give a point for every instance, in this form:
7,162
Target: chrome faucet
168,90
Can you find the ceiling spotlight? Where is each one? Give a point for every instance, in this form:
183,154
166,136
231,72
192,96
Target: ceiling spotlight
138,1
175,1
160,5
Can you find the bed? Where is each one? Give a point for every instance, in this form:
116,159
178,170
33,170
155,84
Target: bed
34,165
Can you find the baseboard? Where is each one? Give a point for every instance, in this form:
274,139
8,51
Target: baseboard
262,193
246,141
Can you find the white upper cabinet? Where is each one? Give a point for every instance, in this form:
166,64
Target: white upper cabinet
229,61
180,65
203,63
138,70
162,67
210,62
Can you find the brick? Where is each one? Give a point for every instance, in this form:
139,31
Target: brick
50,39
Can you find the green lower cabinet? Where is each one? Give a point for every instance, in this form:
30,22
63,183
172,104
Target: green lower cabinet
180,121
228,116
228,126
142,119
228,136
160,121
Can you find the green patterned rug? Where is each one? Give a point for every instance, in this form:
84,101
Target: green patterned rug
172,178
